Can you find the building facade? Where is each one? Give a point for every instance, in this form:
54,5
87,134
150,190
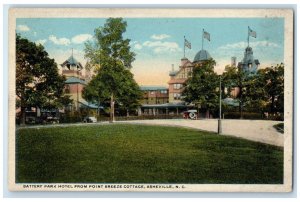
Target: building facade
248,63
178,78
155,94
74,85
169,101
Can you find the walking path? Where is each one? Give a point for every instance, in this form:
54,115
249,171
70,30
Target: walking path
256,130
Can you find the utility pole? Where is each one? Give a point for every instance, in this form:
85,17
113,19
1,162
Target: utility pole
220,109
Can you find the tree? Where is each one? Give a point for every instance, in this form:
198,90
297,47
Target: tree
116,80
237,78
229,78
113,81
38,82
130,94
273,77
109,47
257,91
201,88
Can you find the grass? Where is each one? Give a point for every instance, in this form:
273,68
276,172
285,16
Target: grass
122,153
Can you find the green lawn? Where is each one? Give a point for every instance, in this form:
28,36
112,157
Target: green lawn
120,153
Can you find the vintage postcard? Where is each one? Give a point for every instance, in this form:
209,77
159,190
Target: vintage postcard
148,100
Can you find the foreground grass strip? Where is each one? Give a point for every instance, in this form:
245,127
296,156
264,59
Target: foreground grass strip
120,153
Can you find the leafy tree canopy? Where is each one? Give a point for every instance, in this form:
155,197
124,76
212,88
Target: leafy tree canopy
38,82
113,82
263,91
201,88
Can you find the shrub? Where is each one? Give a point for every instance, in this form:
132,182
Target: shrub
246,115
279,127
70,118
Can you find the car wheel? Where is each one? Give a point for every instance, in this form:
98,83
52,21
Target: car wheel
192,115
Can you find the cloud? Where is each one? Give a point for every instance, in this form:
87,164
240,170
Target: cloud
159,46
59,41
242,45
138,46
41,41
81,38
133,42
160,36
23,28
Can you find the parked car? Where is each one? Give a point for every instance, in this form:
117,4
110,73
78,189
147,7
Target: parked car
190,114
90,119
51,120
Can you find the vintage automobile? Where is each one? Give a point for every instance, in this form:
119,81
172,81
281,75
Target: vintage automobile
50,120
90,119
190,114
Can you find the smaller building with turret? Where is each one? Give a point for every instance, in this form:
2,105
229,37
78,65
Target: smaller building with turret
75,83
249,65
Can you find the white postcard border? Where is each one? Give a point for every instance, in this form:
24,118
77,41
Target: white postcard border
15,13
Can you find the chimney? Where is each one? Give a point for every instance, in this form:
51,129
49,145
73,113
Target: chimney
233,61
183,61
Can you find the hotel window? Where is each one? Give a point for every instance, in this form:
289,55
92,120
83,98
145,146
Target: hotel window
177,96
189,72
177,86
163,92
152,92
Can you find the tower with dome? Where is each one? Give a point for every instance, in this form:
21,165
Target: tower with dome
248,64
179,77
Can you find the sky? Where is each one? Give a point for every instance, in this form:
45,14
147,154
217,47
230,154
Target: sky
158,42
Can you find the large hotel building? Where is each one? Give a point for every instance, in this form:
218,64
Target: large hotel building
173,102
166,100
156,99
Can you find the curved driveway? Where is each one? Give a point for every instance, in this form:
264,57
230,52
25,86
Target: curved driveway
256,130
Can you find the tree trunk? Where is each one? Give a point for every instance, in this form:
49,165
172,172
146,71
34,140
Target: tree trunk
23,116
112,108
139,111
23,113
241,110
127,113
207,114
272,104
241,103
99,108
